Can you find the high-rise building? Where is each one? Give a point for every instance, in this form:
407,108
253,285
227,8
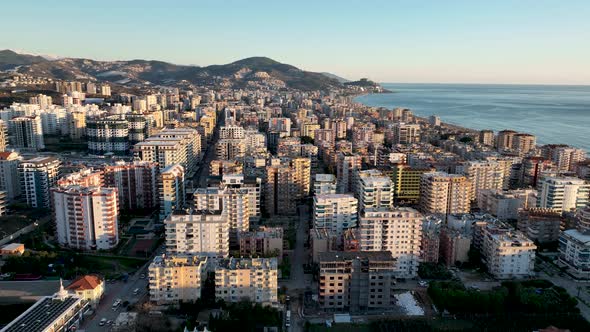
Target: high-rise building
3,136
346,166
229,149
253,279
171,189
9,178
76,124
566,158
523,143
203,233
540,225
286,182
356,281
136,183
27,132
505,204
505,139
486,137
324,184
406,133
563,193
37,176
177,278
444,193
335,212
484,175
531,169
507,253
373,190
108,135
219,167
171,146
406,182
397,230
86,218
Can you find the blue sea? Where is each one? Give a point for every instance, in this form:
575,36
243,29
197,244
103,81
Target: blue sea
554,113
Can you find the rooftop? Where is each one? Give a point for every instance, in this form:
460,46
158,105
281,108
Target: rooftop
42,314
349,255
84,283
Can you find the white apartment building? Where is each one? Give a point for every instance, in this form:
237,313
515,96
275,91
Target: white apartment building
27,132
373,189
324,184
347,165
232,132
171,146
484,175
397,230
171,189
255,279
53,119
37,176
176,278
204,233
86,218
444,193
9,178
507,253
505,205
335,212
563,193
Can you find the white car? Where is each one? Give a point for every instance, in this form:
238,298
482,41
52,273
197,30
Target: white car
102,322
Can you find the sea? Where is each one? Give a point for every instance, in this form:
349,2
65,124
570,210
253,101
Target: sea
556,114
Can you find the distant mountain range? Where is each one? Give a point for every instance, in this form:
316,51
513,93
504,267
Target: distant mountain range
150,72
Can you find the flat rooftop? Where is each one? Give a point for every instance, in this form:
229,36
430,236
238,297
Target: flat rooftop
349,255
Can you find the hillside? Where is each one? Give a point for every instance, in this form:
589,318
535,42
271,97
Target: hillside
10,59
255,70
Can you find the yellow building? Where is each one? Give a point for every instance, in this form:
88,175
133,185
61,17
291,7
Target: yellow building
406,182
88,287
247,278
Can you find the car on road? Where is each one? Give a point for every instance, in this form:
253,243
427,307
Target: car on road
109,322
142,276
136,291
422,283
116,304
102,322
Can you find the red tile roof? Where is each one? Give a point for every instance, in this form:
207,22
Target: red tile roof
84,283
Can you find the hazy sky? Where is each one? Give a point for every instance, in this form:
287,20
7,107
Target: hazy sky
518,41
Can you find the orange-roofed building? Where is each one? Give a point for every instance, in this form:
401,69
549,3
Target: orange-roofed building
89,287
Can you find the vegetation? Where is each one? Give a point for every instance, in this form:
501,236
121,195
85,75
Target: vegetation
466,139
434,271
285,268
529,297
244,316
306,140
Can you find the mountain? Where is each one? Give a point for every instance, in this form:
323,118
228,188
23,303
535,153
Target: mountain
241,73
10,59
367,85
336,77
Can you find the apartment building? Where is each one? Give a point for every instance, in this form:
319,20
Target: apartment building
177,278
324,184
507,253
406,133
9,177
27,132
335,212
254,279
218,167
346,166
396,230
444,193
204,233
506,204
540,225
264,241
229,149
406,182
484,175
565,158
356,281
373,189
171,189
107,135
574,246
37,176
136,183
563,193
285,183
86,218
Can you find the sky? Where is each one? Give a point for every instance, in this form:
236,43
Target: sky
518,41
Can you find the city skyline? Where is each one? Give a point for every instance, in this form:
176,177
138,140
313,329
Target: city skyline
451,42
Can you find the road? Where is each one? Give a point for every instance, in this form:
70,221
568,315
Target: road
124,291
575,289
25,291
299,281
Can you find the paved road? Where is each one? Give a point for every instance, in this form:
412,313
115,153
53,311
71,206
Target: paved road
123,291
299,281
